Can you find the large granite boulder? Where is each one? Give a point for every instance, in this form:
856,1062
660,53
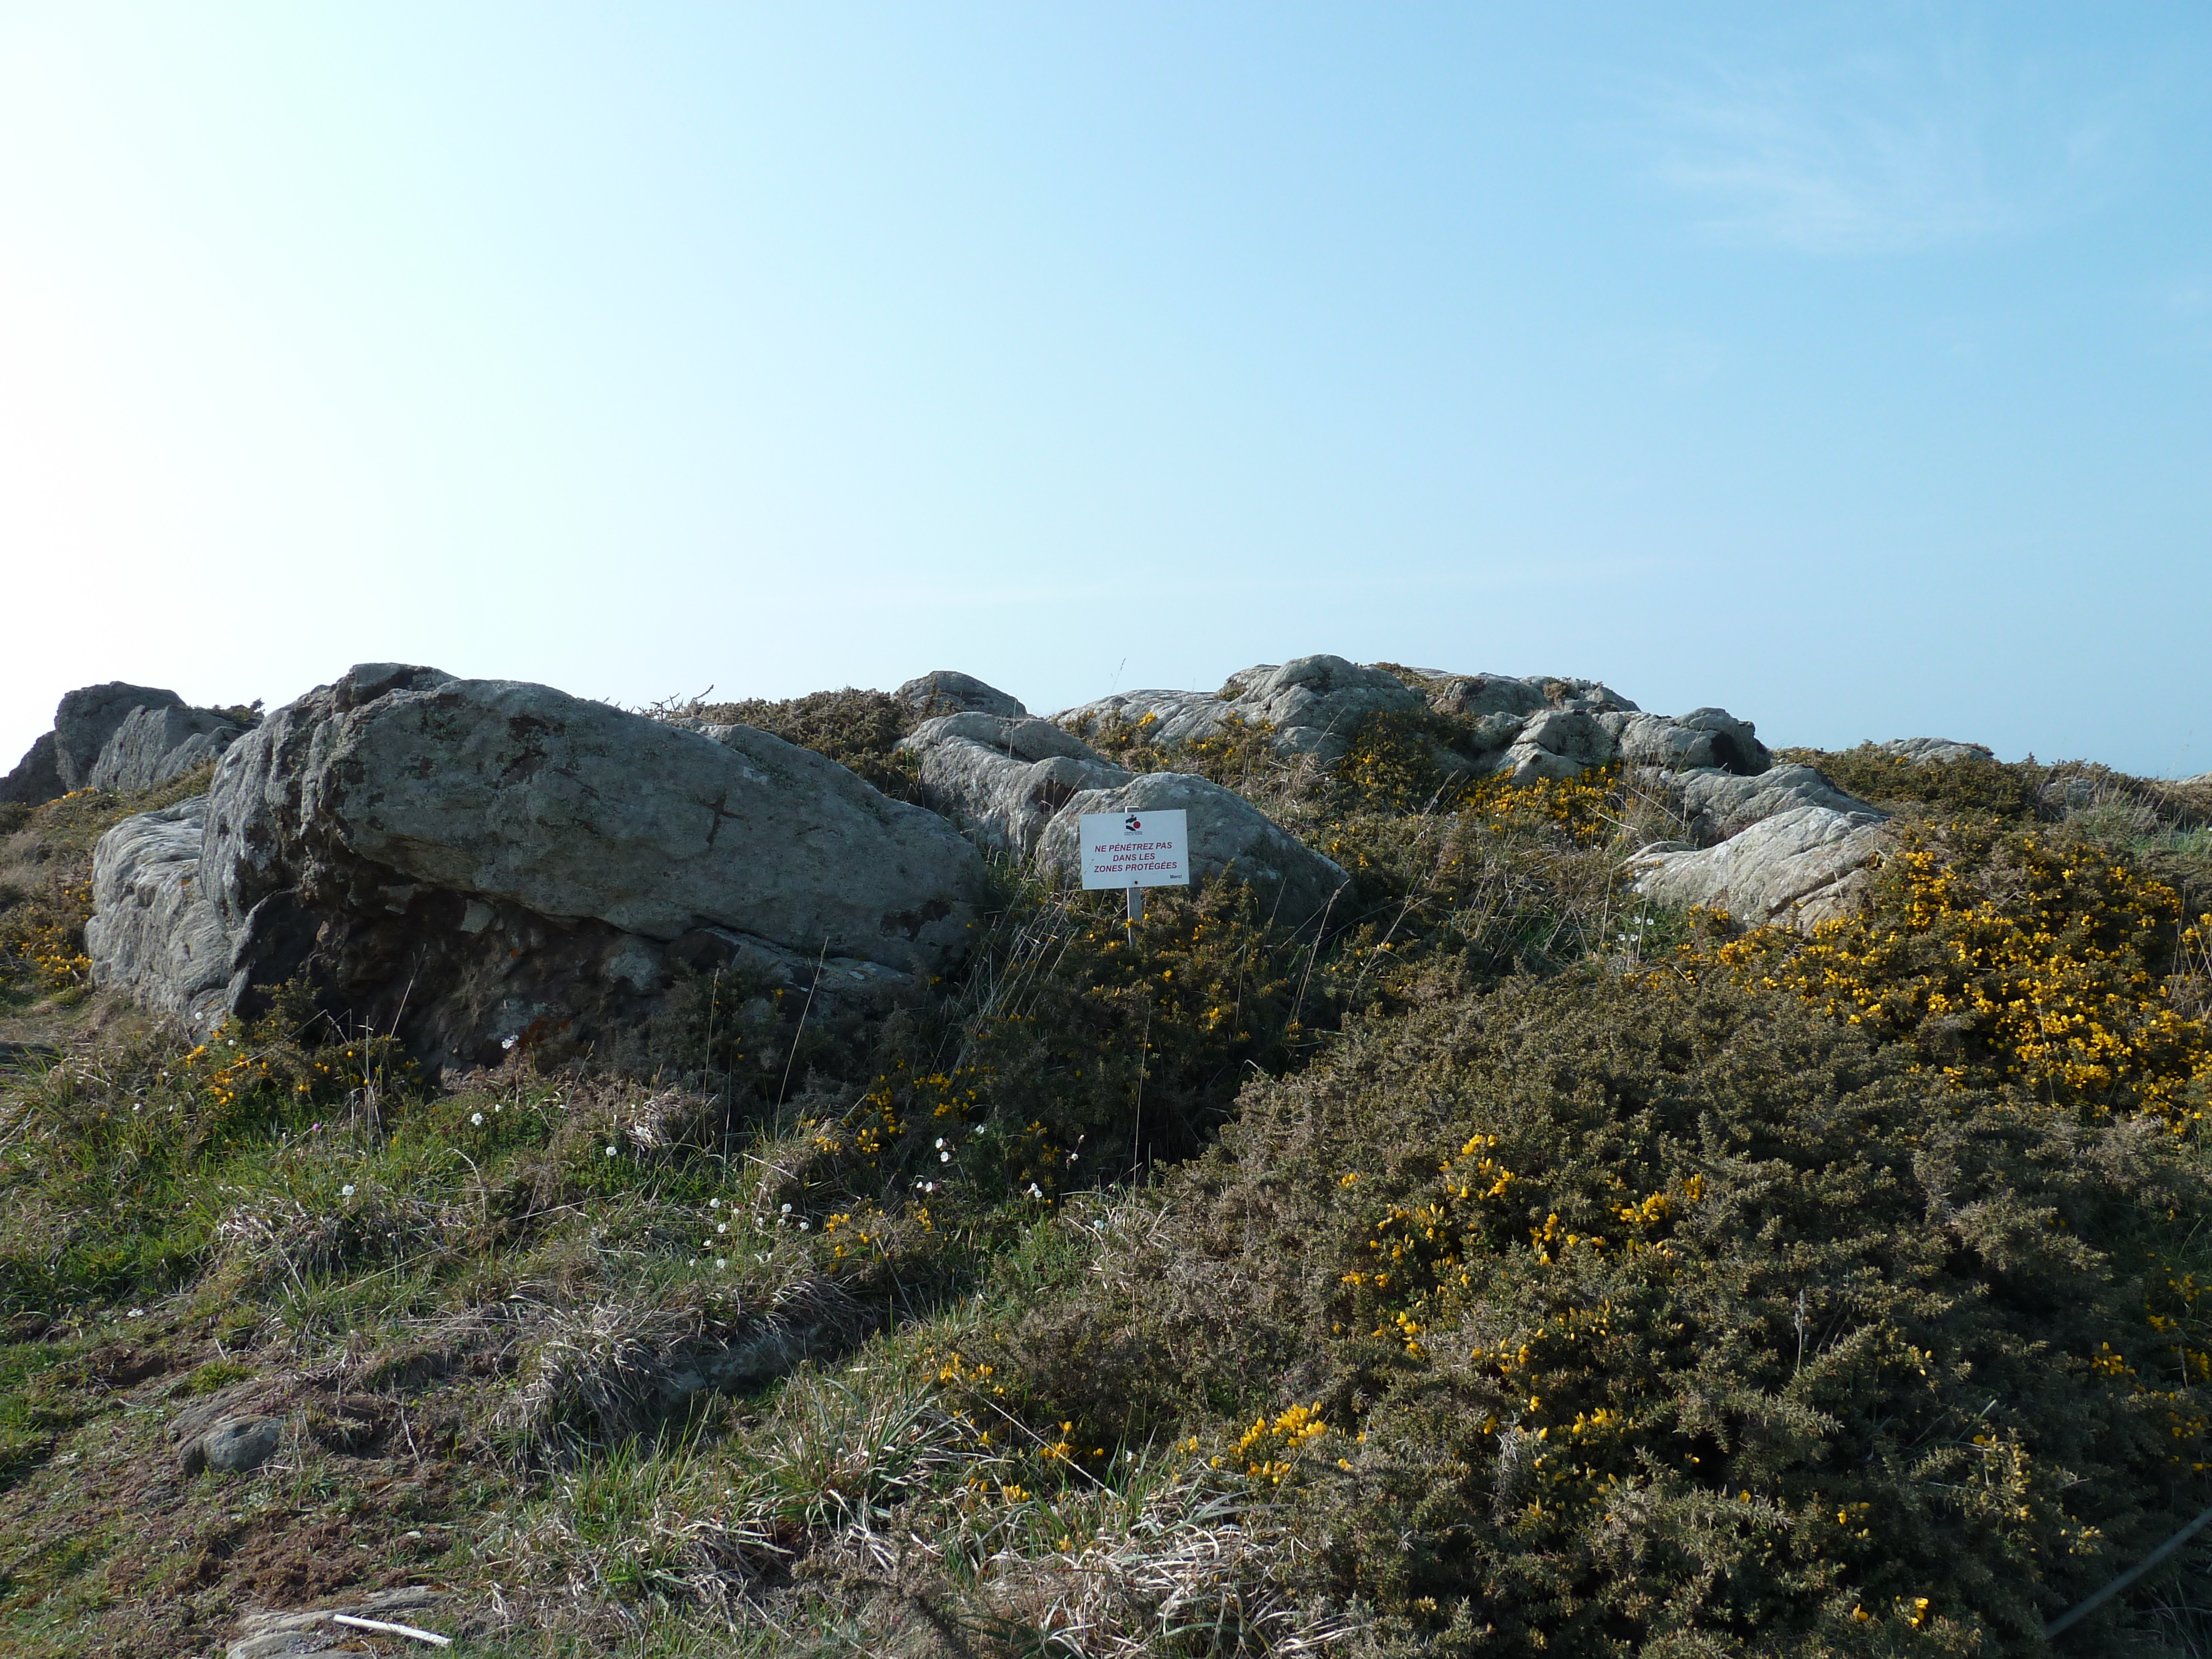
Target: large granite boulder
1800,868
469,860
1002,780
942,691
1228,835
154,935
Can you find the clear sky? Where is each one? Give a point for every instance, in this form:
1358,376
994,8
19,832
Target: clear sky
1846,367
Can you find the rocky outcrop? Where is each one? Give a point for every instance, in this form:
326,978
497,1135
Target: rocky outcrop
87,717
118,737
1799,868
1519,729
1020,787
469,860
1002,780
1932,751
153,935
1228,836
1715,806
37,778
1312,706
155,744
944,692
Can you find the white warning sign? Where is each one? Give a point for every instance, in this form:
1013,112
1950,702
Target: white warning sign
1136,849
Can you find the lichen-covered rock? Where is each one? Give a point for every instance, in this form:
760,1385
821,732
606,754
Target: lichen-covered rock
154,744
153,935
1227,834
944,692
1002,780
467,861
570,809
1703,739
1798,868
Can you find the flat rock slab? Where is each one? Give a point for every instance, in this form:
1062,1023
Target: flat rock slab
315,1633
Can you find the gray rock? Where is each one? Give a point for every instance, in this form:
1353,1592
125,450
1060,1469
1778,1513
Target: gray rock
1557,743
1003,779
1929,751
1227,834
270,1633
1313,705
153,935
944,692
570,809
1798,868
89,716
1472,695
234,1446
155,744
469,862
1715,804
1703,738
37,778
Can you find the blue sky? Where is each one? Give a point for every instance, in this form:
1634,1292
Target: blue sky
1845,367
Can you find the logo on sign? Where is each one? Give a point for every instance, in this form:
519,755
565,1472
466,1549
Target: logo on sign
1132,824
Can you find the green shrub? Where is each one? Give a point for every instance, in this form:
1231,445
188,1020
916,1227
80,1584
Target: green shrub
858,730
2008,790
1640,1315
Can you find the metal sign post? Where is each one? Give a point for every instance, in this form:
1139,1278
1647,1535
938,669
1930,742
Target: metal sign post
1134,851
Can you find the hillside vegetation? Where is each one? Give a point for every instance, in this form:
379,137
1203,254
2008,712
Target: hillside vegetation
1515,1268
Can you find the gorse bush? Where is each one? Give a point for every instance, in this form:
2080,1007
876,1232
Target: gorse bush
858,730
2044,961
1646,1317
45,884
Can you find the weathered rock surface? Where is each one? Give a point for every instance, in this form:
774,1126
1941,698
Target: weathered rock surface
121,737
1521,729
1929,751
1227,834
154,745
1002,780
475,859
1798,868
268,1633
233,1445
153,935
1715,806
89,716
944,692
37,778
1314,704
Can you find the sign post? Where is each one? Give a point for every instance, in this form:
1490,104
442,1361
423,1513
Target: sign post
1134,851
